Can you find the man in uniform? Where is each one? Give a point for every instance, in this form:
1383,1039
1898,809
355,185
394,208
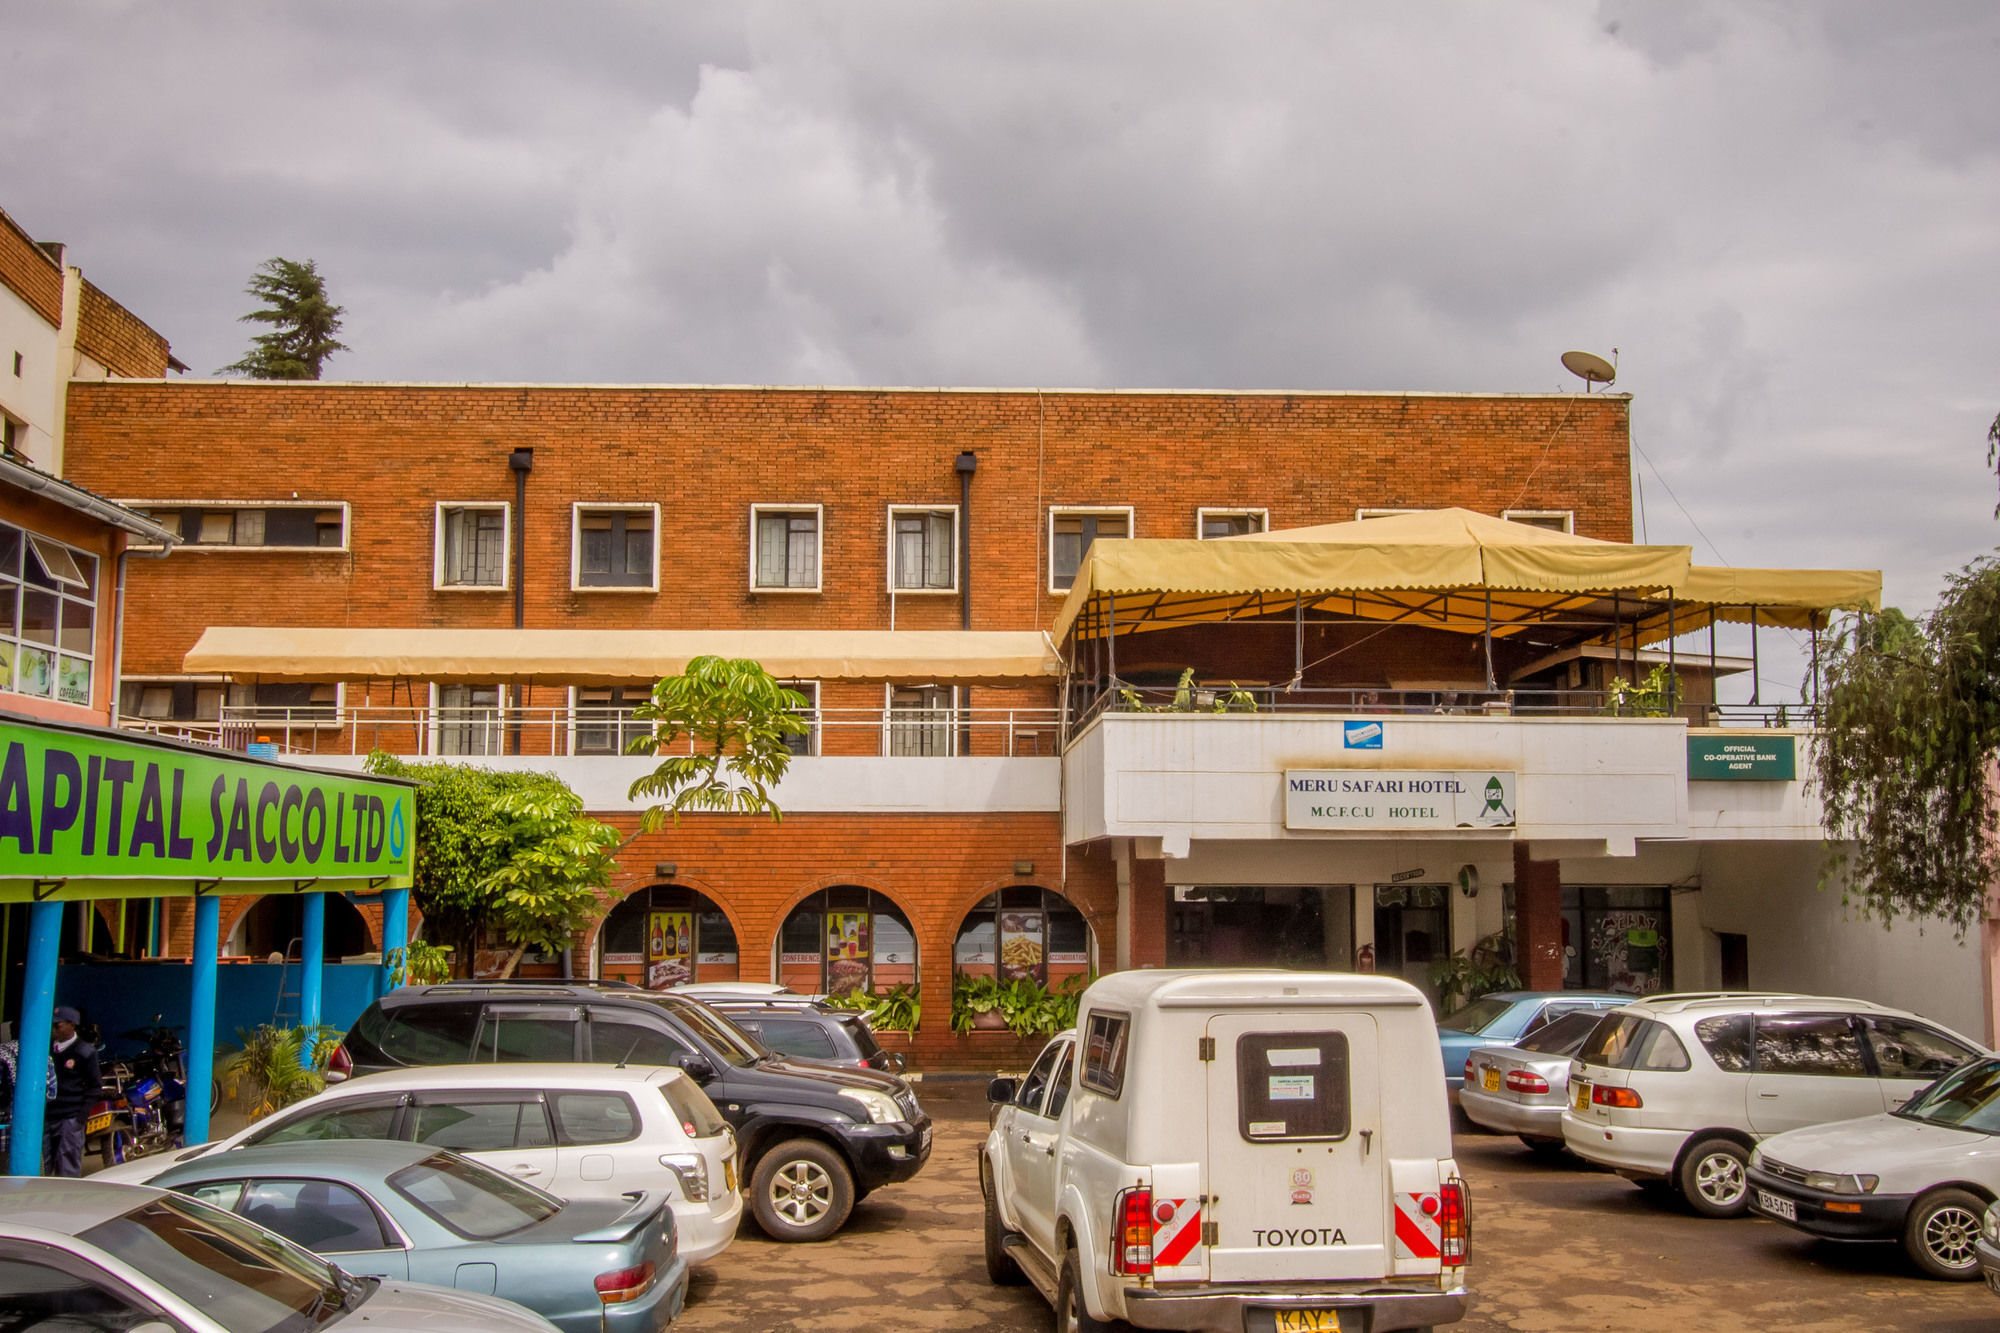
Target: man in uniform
78,1084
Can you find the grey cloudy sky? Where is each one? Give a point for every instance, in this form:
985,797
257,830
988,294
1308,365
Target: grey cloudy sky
1786,217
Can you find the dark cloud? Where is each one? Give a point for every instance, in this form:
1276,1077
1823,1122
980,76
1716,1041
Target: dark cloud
1782,215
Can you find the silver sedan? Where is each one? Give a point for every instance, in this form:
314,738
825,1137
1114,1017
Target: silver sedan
77,1254
1521,1089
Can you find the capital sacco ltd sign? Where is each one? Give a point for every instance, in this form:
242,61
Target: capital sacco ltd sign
1398,799
86,806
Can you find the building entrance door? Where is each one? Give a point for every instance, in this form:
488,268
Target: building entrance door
1412,931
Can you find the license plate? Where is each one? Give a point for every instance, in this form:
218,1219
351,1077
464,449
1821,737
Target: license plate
1580,1097
924,1140
1308,1321
97,1124
1776,1206
1490,1080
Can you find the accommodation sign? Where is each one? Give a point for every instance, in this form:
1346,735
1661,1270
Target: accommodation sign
1741,758
1398,799
86,806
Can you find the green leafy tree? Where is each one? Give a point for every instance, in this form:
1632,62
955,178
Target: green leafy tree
736,717
1905,757
303,323
510,852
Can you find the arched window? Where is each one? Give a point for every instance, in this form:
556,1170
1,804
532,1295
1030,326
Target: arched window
275,924
1024,931
667,935
844,939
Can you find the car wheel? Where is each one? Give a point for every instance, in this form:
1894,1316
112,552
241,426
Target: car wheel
1001,1270
1941,1232
1072,1315
1544,1147
1715,1178
801,1191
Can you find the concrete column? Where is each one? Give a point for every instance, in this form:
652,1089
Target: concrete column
1122,859
312,955
38,1013
201,1015
1538,920
395,932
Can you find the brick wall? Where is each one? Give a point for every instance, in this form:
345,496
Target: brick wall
29,272
705,455
116,338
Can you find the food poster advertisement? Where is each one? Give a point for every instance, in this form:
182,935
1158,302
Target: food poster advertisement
669,949
1021,936
847,952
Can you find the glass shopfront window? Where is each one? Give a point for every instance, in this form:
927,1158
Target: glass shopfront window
1616,937
1024,931
847,938
667,935
48,617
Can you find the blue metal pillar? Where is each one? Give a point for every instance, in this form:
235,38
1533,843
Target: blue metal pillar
395,932
201,1016
38,1012
312,950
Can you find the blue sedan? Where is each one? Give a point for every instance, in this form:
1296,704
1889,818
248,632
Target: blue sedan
1504,1017
409,1211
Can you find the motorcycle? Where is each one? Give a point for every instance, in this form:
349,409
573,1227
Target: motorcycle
146,1111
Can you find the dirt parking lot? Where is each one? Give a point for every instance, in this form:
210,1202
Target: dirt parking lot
1553,1248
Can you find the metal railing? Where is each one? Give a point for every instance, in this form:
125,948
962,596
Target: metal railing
561,732
1362,701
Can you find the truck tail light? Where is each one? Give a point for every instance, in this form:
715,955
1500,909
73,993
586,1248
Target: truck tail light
1521,1080
1132,1241
1454,1224
624,1284
1623,1098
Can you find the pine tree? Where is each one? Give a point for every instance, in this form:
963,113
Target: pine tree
303,323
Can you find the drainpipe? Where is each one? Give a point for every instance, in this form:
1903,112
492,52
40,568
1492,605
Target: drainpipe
118,621
522,462
965,466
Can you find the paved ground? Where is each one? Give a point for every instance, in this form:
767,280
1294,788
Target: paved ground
1553,1248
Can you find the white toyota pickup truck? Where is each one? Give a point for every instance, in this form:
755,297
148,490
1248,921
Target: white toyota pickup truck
1251,1151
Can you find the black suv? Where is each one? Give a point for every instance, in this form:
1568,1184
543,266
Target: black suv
802,1029
812,1140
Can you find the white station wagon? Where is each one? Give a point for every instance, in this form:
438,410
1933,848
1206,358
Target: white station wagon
1681,1088
577,1131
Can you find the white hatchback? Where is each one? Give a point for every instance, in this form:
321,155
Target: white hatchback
1680,1088
577,1131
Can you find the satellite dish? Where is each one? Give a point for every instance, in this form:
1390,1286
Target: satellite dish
1590,367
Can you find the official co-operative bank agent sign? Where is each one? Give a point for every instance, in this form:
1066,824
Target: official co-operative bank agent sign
85,804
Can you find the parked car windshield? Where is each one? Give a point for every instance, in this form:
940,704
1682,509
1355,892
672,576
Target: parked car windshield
244,1278
475,1201
1477,1016
1967,1099
1563,1035
691,1106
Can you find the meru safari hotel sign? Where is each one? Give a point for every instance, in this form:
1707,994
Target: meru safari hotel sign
128,818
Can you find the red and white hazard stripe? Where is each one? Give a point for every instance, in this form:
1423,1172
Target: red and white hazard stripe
1417,1231
1175,1238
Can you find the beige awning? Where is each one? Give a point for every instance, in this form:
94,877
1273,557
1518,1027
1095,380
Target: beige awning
1793,598
586,657
1423,552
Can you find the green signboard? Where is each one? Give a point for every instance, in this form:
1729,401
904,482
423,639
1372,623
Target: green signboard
1739,757
87,805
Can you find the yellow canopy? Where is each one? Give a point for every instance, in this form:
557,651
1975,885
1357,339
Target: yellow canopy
1430,551
1794,598
583,657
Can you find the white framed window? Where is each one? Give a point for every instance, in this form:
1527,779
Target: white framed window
287,703
807,744
251,525
601,719
1212,523
1555,520
467,719
918,720
1072,529
471,547
614,548
48,617
173,698
785,546
923,548
1360,514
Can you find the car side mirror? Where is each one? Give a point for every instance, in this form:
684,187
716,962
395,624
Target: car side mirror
897,1064
1001,1090
697,1067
